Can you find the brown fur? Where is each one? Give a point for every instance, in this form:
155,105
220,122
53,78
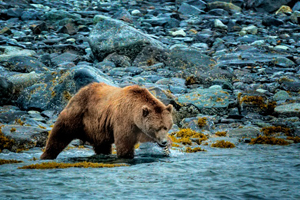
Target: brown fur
103,114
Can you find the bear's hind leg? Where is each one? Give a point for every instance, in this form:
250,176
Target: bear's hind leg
57,141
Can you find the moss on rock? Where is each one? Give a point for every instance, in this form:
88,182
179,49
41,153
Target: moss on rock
223,144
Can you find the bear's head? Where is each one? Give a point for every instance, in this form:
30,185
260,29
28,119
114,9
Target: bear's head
156,122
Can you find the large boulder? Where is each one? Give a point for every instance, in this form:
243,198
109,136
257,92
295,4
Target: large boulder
57,88
111,35
266,5
209,101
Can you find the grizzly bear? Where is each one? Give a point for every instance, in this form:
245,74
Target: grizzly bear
102,115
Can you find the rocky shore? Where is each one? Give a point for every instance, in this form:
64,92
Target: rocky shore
235,65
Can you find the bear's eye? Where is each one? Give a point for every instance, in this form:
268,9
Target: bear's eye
165,128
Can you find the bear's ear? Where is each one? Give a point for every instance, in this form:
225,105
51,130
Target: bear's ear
146,111
169,108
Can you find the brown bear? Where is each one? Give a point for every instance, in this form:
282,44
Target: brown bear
102,115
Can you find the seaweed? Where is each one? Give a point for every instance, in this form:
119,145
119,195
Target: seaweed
202,121
185,136
193,150
55,165
221,133
295,139
271,130
5,143
3,161
223,144
262,139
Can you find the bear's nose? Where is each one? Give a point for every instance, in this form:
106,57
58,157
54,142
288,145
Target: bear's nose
164,142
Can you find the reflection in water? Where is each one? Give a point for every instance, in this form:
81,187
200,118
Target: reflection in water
245,172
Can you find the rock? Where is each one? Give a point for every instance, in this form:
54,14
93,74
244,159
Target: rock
197,3
64,58
209,101
283,62
189,60
283,9
295,17
281,96
68,28
218,12
10,51
288,110
25,137
39,28
55,15
296,7
229,7
110,35
247,132
25,64
178,33
9,114
135,12
250,29
57,88
188,9
219,24
291,86
119,60
265,5
271,21
149,56
6,90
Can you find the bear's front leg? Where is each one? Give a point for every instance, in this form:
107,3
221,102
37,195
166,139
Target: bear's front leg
125,146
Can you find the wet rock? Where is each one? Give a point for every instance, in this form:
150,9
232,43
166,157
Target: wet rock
188,9
219,24
211,101
229,7
288,110
283,62
246,132
37,29
110,35
249,29
271,21
25,137
6,90
55,15
69,28
218,12
10,51
189,60
179,32
25,64
9,114
149,56
118,60
291,86
57,88
296,7
281,96
64,58
266,5
295,17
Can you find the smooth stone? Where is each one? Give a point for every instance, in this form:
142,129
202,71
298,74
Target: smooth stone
250,29
219,24
289,110
11,51
178,33
281,96
187,9
283,62
135,12
250,132
229,7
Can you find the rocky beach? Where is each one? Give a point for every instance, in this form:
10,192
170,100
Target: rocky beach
231,69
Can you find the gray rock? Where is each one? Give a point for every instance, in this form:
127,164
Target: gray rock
25,64
248,132
25,137
56,89
213,100
118,60
55,15
188,9
6,90
283,62
295,17
8,52
65,57
281,96
111,35
288,110
265,5
219,24
229,7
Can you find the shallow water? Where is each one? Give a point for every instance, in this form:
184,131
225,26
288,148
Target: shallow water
245,172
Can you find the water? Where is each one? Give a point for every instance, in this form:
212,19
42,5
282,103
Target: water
245,172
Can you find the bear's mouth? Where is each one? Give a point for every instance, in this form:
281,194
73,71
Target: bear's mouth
161,145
